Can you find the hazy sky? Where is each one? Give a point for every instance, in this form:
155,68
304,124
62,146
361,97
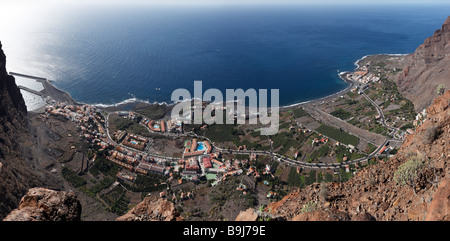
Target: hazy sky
226,2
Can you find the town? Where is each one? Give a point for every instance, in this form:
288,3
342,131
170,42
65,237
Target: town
131,151
331,142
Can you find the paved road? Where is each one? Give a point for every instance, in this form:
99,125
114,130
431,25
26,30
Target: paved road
380,112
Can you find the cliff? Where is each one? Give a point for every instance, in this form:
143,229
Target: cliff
375,192
426,69
16,174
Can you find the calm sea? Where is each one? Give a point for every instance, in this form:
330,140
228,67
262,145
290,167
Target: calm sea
109,55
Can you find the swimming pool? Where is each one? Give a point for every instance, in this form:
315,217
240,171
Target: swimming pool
201,146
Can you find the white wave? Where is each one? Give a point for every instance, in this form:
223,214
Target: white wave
359,60
129,101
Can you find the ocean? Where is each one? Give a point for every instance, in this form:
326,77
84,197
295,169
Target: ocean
112,55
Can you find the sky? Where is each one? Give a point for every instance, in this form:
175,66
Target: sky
225,2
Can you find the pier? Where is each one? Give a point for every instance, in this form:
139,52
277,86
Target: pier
39,79
28,76
49,90
31,91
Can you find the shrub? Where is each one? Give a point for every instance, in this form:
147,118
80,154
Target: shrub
323,192
309,207
430,135
440,89
408,172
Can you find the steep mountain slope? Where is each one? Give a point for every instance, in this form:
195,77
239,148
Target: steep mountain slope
427,68
376,193
16,175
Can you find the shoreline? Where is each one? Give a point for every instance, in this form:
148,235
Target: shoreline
50,90
341,76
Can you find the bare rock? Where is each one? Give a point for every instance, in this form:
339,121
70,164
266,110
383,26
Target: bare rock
152,209
247,215
439,209
41,204
323,215
363,217
426,68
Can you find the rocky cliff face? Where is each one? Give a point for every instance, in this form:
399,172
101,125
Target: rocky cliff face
374,194
16,174
426,68
152,209
40,204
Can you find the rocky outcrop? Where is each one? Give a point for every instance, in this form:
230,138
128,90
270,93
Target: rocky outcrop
152,209
247,215
373,194
426,69
40,204
439,209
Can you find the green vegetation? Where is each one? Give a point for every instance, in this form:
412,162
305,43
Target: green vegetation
294,179
338,134
344,176
350,102
342,151
285,140
321,152
242,156
311,178
309,207
341,114
218,132
221,133
352,95
125,124
408,172
379,129
117,200
441,89
407,126
153,112
149,183
371,148
252,145
102,165
73,178
299,112
104,183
